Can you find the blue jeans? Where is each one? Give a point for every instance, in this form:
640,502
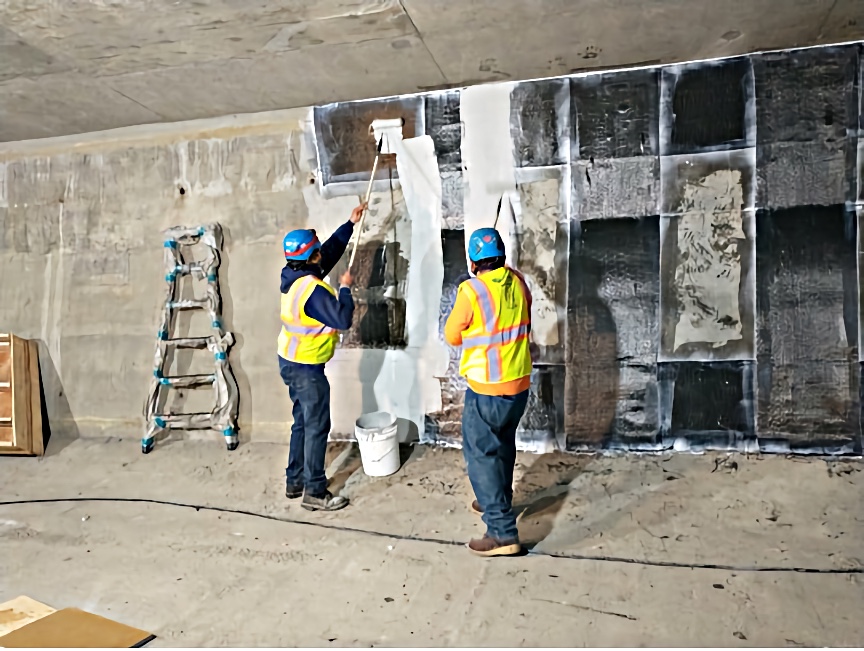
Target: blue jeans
309,390
489,444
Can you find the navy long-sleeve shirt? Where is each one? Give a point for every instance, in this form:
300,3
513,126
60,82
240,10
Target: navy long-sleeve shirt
333,311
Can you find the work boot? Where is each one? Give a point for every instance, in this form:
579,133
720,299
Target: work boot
325,502
489,546
476,508
292,491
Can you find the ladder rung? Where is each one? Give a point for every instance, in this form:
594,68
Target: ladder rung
7,419
189,342
191,269
186,381
189,305
5,385
180,421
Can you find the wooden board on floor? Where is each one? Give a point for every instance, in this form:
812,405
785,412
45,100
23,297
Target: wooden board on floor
73,628
21,611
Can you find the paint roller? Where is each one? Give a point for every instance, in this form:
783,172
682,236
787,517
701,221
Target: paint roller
382,127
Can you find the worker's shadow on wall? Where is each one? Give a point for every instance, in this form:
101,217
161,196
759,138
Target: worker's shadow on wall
593,370
58,425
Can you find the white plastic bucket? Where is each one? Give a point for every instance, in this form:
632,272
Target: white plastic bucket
379,444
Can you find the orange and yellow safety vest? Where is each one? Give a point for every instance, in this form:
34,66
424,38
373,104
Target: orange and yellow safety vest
303,339
495,345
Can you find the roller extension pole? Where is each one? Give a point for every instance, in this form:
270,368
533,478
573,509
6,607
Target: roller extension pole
368,195
498,212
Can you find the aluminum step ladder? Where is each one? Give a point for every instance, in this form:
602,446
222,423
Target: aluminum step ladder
223,417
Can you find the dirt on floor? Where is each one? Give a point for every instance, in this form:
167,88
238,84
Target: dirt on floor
619,549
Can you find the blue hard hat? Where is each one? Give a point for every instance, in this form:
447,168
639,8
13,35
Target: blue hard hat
300,244
485,243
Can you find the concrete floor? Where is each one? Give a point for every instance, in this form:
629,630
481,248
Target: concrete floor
390,570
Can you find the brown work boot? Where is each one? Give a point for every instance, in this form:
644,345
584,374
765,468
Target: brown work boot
325,502
476,508
489,546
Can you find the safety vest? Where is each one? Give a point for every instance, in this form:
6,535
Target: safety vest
495,345
303,339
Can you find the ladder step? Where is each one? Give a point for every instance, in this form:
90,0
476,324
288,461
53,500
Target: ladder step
191,269
190,342
189,305
187,381
183,421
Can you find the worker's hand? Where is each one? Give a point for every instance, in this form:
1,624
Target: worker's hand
347,280
357,213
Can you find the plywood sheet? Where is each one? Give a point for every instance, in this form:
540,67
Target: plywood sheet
5,360
21,611
37,438
5,405
74,628
21,424
20,398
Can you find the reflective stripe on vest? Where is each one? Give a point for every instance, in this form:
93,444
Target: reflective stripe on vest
495,346
303,339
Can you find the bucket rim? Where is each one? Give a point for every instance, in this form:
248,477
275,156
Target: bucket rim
391,420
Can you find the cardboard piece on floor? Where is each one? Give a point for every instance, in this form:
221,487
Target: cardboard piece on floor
19,612
71,627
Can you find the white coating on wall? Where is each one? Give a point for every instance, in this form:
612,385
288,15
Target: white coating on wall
487,161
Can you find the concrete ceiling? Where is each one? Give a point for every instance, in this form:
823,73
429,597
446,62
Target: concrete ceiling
73,66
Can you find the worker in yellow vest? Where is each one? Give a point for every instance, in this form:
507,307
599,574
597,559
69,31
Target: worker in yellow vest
312,315
491,320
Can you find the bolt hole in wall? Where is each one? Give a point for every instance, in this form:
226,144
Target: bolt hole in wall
665,218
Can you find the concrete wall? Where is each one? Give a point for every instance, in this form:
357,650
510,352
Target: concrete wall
81,256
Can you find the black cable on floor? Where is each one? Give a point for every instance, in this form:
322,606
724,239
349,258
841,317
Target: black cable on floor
437,541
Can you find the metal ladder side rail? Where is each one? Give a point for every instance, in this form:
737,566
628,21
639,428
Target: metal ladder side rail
223,417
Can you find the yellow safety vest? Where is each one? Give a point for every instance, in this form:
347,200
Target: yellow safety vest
495,346
303,339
